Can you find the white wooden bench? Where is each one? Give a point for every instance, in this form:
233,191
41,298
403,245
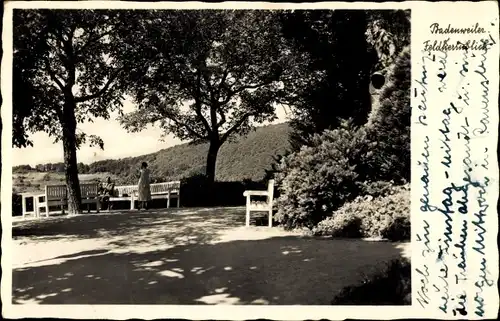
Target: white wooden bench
56,195
265,206
167,190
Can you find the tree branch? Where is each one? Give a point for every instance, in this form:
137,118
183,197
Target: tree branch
59,112
222,118
232,93
102,90
235,127
209,85
181,124
255,86
53,75
72,30
222,81
70,62
198,103
95,39
213,116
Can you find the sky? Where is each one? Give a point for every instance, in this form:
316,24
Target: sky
118,143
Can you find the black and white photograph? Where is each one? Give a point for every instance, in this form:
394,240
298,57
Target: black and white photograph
211,157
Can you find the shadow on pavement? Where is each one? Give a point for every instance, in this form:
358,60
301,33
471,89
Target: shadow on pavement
185,256
280,270
138,227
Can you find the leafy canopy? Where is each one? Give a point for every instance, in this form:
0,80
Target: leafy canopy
332,82
63,56
339,51
206,75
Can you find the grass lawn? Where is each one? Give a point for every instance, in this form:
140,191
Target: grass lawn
183,256
36,181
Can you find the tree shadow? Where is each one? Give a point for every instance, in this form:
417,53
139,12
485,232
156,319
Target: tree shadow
202,224
289,270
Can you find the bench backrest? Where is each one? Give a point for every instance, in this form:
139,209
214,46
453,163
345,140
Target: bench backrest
59,192
55,192
89,189
163,188
156,188
125,190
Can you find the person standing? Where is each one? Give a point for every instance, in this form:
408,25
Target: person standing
144,189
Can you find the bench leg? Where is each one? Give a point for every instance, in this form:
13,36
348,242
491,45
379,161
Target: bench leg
247,218
168,200
36,209
178,200
23,201
270,218
132,202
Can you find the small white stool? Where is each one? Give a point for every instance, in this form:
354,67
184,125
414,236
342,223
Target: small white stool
35,196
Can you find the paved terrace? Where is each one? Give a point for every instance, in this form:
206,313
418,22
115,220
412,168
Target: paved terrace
183,256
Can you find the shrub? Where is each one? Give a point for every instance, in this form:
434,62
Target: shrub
386,216
341,225
397,229
317,180
376,188
198,191
391,286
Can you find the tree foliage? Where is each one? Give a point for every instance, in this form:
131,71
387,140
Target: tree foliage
206,75
339,51
65,72
57,50
333,81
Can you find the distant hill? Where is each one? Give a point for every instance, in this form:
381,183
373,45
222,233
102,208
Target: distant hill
246,157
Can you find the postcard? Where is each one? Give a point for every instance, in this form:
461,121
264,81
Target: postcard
249,160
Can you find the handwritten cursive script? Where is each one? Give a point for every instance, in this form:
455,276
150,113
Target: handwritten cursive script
452,179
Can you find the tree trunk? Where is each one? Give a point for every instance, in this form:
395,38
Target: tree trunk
213,150
70,161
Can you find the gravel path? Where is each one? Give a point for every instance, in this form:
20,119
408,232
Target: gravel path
183,256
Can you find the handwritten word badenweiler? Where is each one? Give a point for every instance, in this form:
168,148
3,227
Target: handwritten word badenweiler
475,29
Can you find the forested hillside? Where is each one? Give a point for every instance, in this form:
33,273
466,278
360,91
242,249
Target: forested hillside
245,158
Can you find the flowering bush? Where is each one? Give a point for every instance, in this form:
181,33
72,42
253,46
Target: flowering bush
317,180
341,225
397,229
376,188
385,216
320,178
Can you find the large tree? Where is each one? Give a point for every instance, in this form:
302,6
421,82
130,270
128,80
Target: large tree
65,72
333,82
207,76
341,49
